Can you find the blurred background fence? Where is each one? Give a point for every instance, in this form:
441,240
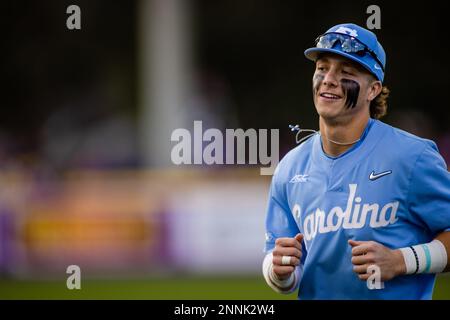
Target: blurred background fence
132,223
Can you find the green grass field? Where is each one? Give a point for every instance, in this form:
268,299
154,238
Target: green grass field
183,288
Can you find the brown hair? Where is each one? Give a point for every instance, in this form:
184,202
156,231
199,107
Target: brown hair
378,106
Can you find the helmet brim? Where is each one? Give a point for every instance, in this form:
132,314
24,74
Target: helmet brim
313,53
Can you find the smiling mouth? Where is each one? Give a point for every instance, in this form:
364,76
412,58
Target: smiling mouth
328,95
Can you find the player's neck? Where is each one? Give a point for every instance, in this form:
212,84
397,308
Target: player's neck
338,137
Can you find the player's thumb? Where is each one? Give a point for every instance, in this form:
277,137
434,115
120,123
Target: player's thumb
299,237
354,243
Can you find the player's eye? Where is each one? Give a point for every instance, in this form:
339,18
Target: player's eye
347,72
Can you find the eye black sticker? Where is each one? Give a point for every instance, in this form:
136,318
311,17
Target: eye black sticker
351,90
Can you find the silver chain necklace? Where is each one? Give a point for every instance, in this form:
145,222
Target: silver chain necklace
342,143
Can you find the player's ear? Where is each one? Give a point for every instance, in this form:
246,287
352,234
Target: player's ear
375,88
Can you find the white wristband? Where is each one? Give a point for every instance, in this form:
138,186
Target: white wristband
425,258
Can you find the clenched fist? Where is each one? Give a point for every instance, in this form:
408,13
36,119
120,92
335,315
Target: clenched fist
291,249
367,253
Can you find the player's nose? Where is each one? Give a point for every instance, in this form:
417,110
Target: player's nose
330,78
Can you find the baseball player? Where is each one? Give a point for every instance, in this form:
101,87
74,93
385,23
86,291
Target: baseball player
360,210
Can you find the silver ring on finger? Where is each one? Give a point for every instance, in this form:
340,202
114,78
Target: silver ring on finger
286,260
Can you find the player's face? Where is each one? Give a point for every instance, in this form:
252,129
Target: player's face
340,87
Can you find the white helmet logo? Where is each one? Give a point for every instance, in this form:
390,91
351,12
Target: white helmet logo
345,30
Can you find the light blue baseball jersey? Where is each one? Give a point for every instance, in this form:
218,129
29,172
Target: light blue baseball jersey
391,187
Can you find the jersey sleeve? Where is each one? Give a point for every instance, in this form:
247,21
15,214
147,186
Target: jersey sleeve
279,220
429,191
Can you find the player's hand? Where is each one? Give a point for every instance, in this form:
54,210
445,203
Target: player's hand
287,247
367,253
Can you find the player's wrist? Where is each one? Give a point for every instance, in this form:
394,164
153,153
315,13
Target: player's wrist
400,265
285,283
282,277
425,258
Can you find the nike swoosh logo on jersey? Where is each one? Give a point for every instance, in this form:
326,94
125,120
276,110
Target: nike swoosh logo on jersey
374,176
